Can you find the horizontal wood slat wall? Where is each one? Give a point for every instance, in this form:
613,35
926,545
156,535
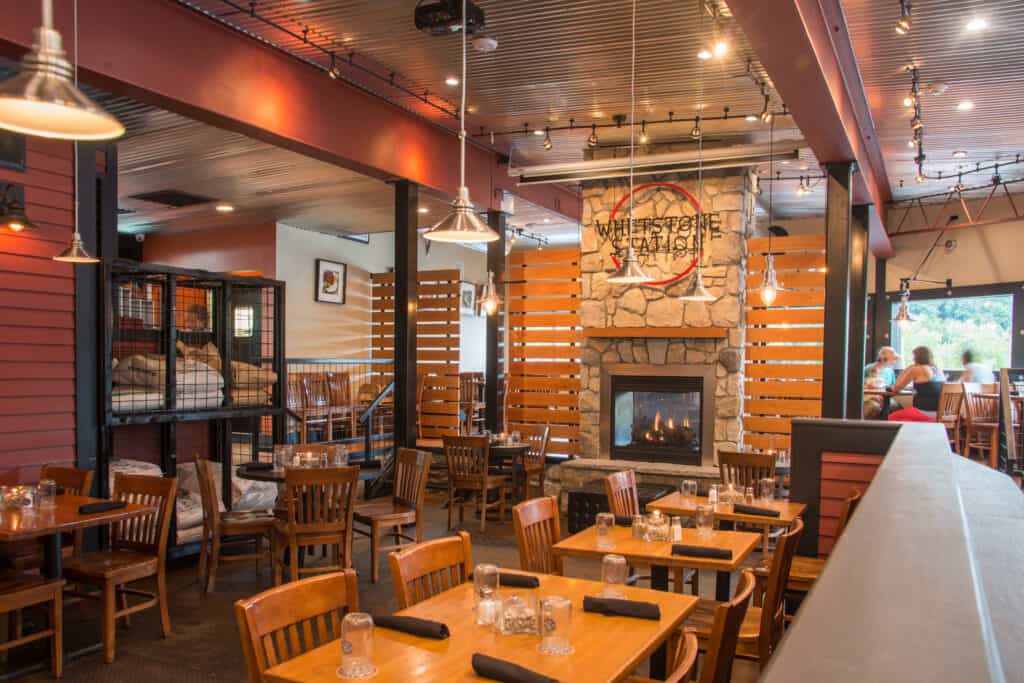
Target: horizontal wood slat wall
784,340
544,345
437,343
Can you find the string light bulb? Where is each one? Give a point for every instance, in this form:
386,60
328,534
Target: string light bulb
592,140
802,188
766,114
704,54
903,23
643,133
721,48
333,72
547,139
696,131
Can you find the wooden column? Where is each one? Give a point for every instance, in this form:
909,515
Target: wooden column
494,367
837,288
858,310
880,310
406,274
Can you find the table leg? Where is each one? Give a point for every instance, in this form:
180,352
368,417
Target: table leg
659,658
723,590
53,557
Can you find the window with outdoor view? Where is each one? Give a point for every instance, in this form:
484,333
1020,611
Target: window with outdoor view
950,326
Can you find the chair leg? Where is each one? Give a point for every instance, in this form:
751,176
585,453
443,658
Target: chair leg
123,600
293,564
109,626
202,559
161,596
993,450
419,529
275,560
211,572
481,505
57,638
451,504
374,541
501,504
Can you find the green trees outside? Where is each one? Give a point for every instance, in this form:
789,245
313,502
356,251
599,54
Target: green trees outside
983,324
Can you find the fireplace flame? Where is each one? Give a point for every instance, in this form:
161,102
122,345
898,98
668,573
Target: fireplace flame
657,421
671,424
686,423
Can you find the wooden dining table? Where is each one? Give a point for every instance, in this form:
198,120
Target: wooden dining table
20,524
605,649
675,504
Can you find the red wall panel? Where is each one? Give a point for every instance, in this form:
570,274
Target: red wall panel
248,247
37,354
840,474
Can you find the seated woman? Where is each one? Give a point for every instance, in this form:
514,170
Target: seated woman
927,381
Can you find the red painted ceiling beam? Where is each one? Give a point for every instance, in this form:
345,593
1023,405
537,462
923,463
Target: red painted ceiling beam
805,47
165,54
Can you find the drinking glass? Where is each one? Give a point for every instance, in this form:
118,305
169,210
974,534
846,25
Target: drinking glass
340,456
605,524
689,491
639,527
485,585
714,494
705,519
46,492
748,495
730,495
613,573
323,459
516,437
357,646
284,454
555,625
766,489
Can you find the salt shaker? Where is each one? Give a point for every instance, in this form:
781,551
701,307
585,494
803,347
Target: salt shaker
677,529
639,527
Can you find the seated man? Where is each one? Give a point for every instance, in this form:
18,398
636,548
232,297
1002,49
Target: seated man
975,371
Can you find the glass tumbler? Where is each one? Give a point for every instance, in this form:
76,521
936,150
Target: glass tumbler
283,456
613,575
705,520
714,494
605,524
748,495
555,625
357,646
766,489
46,493
689,491
340,458
485,587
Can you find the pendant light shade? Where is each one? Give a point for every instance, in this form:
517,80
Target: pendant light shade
490,302
629,272
696,291
75,252
43,100
770,286
462,224
903,312
12,213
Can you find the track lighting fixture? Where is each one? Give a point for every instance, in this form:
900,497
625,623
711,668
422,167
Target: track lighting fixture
910,100
903,24
592,138
547,139
643,133
704,54
916,123
333,70
802,188
696,132
919,178
766,114
959,154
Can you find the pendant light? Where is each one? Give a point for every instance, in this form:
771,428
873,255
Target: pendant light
42,100
12,212
903,312
695,289
630,272
770,286
490,302
462,224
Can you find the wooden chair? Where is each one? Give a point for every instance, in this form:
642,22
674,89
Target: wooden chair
402,508
950,412
75,482
297,405
226,529
534,460
365,395
318,408
762,626
20,590
138,550
981,424
538,528
683,659
745,468
468,459
623,501
469,401
283,622
319,503
343,410
426,569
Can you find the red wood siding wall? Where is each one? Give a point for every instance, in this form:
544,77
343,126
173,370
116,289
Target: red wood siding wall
37,324
840,474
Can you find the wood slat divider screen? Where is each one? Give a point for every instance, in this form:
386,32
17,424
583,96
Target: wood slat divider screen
784,340
437,343
545,345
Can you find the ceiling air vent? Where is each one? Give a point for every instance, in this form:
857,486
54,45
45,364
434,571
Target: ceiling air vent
172,198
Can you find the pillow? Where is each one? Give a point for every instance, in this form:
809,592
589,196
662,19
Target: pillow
189,507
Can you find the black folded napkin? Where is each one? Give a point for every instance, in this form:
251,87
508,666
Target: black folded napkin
506,672
616,607
701,551
102,506
518,580
424,628
258,466
60,491
623,520
742,509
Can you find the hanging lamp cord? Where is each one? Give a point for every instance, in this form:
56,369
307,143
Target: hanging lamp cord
632,118
462,106
771,180
700,155
48,14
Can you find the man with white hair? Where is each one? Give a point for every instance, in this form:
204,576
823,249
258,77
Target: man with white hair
881,371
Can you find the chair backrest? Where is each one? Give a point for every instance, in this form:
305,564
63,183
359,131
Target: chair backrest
283,622
317,391
296,392
744,468
421,385
538,528
951,398
469,387
412,470
148,533
849,506
725,633
773,609
620,488
429,568
468,458
978,408
684,657
74,481
319,500
537,437
208,495
340,387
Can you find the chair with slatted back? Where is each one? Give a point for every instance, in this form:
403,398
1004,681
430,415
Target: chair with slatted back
762,626
981,423
469,460
74,482
683,652
533,461
226,529
281,623
343,410
745,468
318,408
138,550
950,412
297,405
426,569
403,508
20,590
470,405
538,528
318,508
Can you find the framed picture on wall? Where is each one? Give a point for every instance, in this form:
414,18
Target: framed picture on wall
330,282
467,298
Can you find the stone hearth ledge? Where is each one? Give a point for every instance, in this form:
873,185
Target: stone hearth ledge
573,474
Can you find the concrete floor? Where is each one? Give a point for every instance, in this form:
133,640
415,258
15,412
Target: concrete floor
204,644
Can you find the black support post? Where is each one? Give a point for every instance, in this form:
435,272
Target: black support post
880,311
837,288
406,274
494,368
858,310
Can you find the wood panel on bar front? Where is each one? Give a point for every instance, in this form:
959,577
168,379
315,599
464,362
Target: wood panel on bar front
545,344
784,340
437,343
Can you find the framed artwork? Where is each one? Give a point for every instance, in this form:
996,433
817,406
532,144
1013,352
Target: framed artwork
330,282
467,298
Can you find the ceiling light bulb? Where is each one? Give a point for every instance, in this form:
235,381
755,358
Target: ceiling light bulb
704,54
766,114
912,143
916,124
696,132
452,81
959,154
750,118
909,100
721,48
903,25
965,105
770,287
919,178
592,138
547,140
224,208
643,133
801,188
538,132
423,209
977,24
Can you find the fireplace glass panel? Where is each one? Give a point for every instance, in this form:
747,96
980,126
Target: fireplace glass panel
657,418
